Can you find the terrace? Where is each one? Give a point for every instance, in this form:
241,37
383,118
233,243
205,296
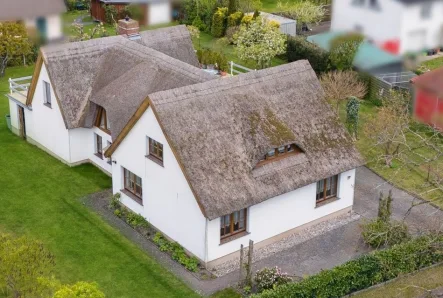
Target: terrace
18,89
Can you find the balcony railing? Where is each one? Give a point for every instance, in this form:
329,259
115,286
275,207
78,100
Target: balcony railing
18,88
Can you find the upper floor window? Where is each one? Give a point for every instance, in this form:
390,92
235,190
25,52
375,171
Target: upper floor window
426,10
155,151
280,152
133,185
327,189
47,93
233,224
102,120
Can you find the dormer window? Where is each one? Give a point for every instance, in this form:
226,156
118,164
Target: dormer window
102,120
280,152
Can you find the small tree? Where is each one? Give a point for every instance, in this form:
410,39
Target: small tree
340,85
352,109
305,12
13,43
259,42
22,263
249,5
79,290
219,22
79,33
343,50
387,130
232,6
134,11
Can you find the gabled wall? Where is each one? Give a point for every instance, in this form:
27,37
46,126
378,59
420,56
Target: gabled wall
168,202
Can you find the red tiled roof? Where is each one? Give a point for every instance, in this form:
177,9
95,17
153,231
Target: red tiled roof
431,81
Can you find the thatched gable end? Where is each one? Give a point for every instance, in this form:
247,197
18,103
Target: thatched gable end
220,129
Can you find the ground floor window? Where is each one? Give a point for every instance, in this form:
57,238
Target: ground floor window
327,188
233,223
133,184
98,146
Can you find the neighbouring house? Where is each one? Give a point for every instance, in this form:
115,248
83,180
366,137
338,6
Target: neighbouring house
153,11
42,19
398,26
82,94
428,98
369,58
215,164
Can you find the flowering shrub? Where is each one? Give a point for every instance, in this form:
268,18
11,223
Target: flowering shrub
268,278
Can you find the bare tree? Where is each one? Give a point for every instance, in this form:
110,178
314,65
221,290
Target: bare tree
340,85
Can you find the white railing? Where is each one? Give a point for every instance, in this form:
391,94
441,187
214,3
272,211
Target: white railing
235,68
20,85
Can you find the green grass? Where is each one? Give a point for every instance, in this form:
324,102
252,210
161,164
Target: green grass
409,286
434,63
208,41
226,293
40,198
271,5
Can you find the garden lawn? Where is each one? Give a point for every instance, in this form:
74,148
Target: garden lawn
408,177
208,41
434,63
40,198
408,286
271,5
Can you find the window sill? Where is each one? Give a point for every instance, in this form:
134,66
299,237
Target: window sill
326,202
99,155
132,196
155,159
47,105
233,237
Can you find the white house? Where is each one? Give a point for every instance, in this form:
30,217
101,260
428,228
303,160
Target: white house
70,107
399,26
256,156
42,18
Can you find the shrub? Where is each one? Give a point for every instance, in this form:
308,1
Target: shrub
134,11
365,271
230,33
219,22
115,201
162,242
299,48
207,56
343,50
377,233
70,5
274,24
111,14
235,19
198,23
136,220
268,278
118,213
246,20
177,252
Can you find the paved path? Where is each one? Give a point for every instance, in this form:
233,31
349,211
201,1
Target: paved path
322,252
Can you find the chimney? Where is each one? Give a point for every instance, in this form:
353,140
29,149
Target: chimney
128,27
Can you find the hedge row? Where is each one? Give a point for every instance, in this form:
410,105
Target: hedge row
365,271
299,48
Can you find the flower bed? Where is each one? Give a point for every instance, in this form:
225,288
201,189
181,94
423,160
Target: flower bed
173,249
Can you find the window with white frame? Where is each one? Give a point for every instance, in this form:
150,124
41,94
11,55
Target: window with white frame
47,93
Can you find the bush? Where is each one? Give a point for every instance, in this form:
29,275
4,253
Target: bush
118,212
235,19
230,32
365,271
198,23
70,5
115,201
246,20
134,11
268,278
299,48
136,220
207,56
377,233
111,14
219,22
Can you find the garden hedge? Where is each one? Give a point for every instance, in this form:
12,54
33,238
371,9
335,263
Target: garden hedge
364,271
299,48
219,22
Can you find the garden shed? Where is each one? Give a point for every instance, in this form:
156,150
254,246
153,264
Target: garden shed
287,26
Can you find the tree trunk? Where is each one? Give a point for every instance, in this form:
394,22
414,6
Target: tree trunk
3,64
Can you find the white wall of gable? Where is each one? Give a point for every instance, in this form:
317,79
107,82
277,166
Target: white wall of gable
45,124
280,214
168,202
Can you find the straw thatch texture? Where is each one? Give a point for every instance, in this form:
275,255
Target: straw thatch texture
220,130
172,41
112,72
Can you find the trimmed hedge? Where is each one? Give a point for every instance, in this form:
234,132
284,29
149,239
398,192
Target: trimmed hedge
219,22
299,48
364,271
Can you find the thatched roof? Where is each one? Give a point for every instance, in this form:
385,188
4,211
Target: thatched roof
220,129
115,73
172,41
14,10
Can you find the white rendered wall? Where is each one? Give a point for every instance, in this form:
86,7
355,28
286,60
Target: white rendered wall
81,144
44,124
378,25
54,27
168,202
159,12
431,28
102,163
13,112
280,214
